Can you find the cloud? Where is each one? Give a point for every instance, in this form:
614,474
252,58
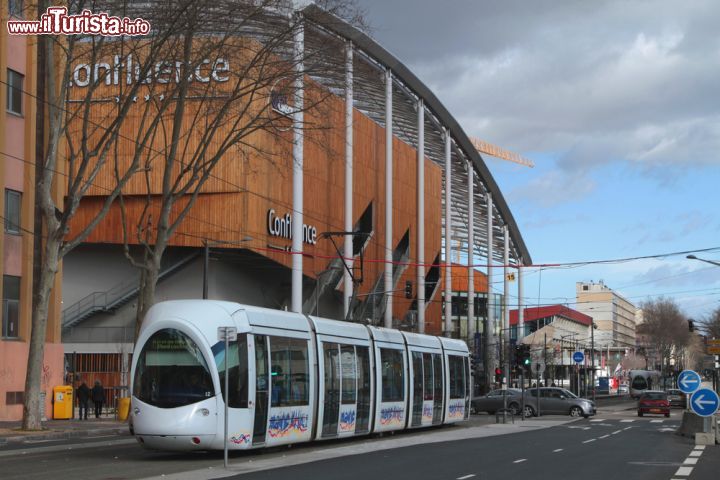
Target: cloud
553,188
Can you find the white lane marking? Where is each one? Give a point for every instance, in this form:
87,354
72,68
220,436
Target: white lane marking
588,441
683,471
627,428
690,461
597,420
520,460
616,432
557,450
586,428
605,436
466,476
696,453
626,421
700,447
656,421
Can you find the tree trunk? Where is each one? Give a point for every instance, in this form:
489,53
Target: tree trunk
146,295
31,402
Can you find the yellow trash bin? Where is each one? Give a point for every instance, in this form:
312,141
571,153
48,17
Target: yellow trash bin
63,402
123,408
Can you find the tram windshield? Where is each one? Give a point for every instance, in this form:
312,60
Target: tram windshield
171,371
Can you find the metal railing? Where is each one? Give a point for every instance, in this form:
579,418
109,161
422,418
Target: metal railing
115,297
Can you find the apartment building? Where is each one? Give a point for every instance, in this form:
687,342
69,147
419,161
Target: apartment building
612,313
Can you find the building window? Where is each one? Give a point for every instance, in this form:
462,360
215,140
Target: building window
13,200
14,398
14,91
11,306
15,8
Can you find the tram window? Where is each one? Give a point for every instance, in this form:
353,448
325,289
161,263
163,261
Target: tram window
392,375
237,364
289,372
457,376
363,409
171,371
428,376
349,374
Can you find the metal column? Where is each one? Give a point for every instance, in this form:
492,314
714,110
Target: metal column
388,199
489,329
505,331
348,240
472,328
448,237
521,311
421,217
297,152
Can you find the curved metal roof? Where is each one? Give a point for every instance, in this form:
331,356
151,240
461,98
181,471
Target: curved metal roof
369,97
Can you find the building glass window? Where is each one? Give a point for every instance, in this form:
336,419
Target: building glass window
14,91
11,306
13,200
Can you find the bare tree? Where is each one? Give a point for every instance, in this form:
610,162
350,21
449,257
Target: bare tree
205,124
666,328
710,326
119,106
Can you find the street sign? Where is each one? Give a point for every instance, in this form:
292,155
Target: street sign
713,346
704,402
229,332
688,381
578,357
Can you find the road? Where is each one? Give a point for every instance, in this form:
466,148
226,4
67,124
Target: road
613,443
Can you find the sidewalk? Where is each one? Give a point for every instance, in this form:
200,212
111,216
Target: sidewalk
61,429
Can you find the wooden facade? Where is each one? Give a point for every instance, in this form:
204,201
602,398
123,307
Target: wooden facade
255,178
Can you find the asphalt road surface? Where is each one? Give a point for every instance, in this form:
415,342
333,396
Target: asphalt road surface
615,444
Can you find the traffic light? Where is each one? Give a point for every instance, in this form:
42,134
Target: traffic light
408,289
522,355
498,375
691,327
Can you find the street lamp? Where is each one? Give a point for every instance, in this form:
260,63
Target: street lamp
712,262
592,357
206,257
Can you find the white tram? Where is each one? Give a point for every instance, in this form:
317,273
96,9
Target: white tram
292,378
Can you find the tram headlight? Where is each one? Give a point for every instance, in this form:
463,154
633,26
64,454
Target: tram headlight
204,412
136,411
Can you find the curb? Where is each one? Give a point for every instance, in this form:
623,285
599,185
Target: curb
60,435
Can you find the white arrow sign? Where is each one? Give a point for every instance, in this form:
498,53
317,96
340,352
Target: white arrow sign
700,401
688,382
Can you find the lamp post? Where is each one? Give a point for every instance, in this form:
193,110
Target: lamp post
562,354
206,258
716,377
592,357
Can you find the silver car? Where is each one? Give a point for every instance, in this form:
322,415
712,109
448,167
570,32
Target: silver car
557,401
494,401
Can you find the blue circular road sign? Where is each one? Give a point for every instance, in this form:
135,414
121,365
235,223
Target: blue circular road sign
704,402
578,357
688,381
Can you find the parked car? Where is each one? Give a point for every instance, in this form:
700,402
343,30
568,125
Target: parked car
554,400
623,389
677,398
653,401
493,401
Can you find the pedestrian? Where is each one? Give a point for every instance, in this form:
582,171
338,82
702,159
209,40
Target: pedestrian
98,397
83,395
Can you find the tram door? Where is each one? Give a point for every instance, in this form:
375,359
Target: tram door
261,389
417,363
438,383
363,400
331,406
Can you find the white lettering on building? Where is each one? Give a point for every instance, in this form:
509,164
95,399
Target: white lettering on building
282,227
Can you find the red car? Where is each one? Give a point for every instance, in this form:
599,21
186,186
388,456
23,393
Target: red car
655,402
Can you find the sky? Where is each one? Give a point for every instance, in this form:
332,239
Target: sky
617,104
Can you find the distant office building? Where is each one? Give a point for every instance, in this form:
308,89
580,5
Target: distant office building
613,314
